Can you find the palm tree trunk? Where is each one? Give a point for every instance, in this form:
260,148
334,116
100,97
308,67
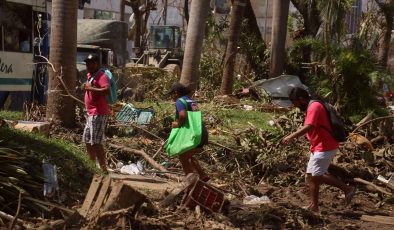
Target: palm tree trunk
186,11
384,42
61,108
138,18
278,39
194,39
236,17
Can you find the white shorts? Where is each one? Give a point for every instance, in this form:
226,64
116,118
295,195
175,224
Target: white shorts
319,162
94,132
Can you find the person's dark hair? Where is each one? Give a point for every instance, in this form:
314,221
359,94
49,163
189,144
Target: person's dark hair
180,89
297,93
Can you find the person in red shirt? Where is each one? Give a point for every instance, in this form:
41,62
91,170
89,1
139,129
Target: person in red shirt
96,87
323,146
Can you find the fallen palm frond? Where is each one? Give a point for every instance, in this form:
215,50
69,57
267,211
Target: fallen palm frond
19,173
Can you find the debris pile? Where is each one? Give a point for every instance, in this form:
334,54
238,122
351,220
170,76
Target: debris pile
256,182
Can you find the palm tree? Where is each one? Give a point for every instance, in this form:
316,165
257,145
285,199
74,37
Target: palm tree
278,39
60,108
333,13
194,39
236,17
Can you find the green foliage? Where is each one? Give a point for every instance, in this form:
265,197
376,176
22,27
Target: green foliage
210,74
353,85
255,52
378,78
236,119
11,115
341,75
333,13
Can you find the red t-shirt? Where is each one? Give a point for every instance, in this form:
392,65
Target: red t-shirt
95,103
320,138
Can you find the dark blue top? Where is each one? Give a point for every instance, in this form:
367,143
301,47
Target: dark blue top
191,105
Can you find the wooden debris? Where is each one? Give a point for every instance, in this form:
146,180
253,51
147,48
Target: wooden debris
148,159
190,179
34,127
6,216
377,188
70,211
378,219
154,188
100,198
94,187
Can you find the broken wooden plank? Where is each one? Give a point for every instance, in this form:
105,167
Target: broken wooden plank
154,188
378,219
70,211
190,179
377,188
94,187
100,198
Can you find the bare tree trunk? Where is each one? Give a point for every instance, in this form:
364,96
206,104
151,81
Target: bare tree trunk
387,10
384,43
61,108
231,52
278,39
186,11
253,28
137,16
122,9
194,39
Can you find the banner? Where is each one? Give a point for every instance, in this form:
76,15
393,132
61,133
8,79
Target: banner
16,71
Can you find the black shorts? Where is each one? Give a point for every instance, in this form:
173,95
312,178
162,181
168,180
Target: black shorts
204,137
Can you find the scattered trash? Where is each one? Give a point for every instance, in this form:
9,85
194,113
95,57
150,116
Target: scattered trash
130,114
252,199
133,169
248,107
389,182
50,177
278,88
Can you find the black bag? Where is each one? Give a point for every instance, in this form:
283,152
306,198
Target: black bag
337,125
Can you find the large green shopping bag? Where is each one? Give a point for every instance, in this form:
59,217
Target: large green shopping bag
186,137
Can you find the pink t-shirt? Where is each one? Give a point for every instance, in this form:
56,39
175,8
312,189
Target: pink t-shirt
319,137
95,102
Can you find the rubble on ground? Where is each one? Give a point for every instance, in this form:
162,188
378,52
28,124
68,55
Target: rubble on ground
251,162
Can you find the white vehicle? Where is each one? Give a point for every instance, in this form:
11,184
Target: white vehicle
18,32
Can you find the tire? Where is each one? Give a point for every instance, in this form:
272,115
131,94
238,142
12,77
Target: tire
173,70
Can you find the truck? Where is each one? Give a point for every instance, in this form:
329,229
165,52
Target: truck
163,50
107,39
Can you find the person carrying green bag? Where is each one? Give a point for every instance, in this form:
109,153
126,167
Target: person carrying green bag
188,134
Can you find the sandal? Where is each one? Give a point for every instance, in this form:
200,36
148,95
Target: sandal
349,196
